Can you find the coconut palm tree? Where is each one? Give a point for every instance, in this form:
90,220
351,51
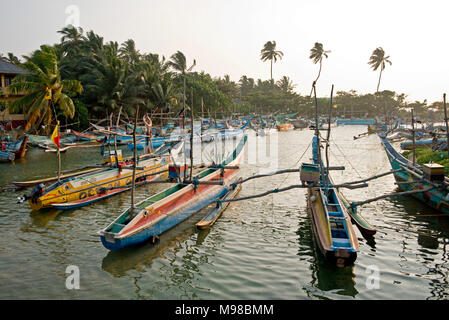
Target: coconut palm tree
111,83
179,63
377,60
11,58
317,53
285,84
269,52
42,89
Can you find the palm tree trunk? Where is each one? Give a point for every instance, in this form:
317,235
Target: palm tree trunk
271,70
319,72
378,83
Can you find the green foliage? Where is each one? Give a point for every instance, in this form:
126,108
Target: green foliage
81,115
426,155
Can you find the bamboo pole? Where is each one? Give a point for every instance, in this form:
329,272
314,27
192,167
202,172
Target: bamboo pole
135,162
445,119
413,137
115,138
328,137
191,138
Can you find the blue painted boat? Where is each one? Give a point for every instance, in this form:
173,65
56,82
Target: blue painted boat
163,211
6,156
412,178
408,145
343,122
331,222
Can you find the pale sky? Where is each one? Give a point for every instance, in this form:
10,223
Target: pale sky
225,37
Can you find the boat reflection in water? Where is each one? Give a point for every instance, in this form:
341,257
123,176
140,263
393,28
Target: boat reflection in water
328,281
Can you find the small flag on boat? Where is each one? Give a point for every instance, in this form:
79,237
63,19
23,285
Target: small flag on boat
55,136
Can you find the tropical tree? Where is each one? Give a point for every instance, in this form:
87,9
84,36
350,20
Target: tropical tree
269,52
179,63
378,59
111,84
317,53
11,58
42,89
285,84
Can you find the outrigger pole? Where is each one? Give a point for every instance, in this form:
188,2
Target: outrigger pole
135,161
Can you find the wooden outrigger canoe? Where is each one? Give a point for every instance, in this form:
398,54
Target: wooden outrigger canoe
410,178
331,222
7,156
216,212
18,148
161,212
98,183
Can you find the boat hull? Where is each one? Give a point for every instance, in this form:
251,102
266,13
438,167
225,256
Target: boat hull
437,197
320,226
90,185
172,206
114,244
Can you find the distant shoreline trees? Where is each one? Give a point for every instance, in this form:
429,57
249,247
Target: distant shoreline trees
92,78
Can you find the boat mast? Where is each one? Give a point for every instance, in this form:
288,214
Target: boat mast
191,138
445,119
115,137
413,135
317,132
134,161
328,136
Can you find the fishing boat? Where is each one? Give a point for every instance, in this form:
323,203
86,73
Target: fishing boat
411,177
18,148
345,122
153,216
408,145
299,123
331,222
220,207
285,127
83,136
88,186
6,156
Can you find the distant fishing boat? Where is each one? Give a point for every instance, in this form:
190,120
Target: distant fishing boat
161,212
343,122
428,177
18,148
87,136
285,127
299,123
6,156
408,145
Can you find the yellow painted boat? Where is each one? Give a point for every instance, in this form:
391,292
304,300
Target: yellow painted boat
98,183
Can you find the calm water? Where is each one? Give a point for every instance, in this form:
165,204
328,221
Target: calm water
259,249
